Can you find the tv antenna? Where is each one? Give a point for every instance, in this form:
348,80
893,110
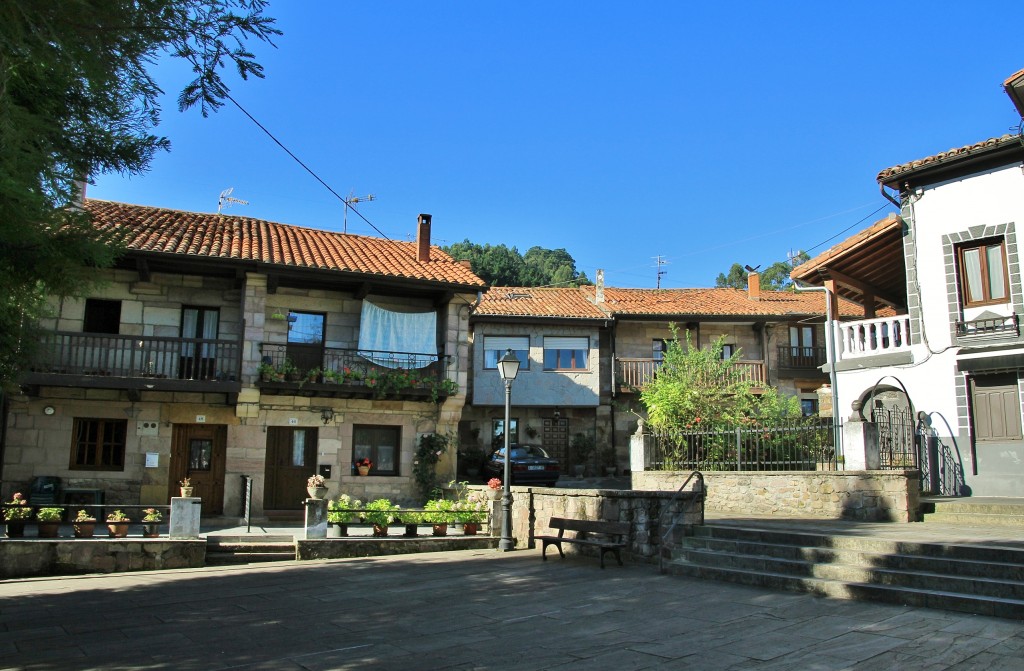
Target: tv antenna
351,201
226,200
660,262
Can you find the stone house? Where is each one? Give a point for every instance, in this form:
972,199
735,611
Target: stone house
948,361
243,353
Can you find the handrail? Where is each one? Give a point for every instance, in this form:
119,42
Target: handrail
675,497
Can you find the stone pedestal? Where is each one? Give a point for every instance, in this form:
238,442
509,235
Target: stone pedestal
860,446
184,522
316,518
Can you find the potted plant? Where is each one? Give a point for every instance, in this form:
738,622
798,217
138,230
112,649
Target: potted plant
363,466
316,486
266,371
186,487
412,520
313,374
84,524
494,488
49,521
117,524
471,512
341,512
438,512
289,371
332,377
582,448
608,460
15,514
474,457
381,513
151,518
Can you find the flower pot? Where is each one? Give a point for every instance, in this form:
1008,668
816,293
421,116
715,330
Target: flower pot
411,530
380,530
441,529
470,528
337,530
48,529
150,529
316,492
186,491
15,529
363,470
84,529
494,494
117,529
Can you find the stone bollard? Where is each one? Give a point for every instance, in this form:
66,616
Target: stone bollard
184,522
316,518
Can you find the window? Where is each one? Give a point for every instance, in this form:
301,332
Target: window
498,432
198,362
496,346
102,316
809,407
566,353
99,444
983,276
306,328
379,444
658,349
728,350
801,340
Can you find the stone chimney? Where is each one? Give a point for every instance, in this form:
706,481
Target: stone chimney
466,263
423,238
599,291
754,286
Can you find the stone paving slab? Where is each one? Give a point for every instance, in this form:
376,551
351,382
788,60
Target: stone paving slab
470,610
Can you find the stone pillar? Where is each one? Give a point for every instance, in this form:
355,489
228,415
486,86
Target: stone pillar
184,522
825,399
860,442
316,518
639,455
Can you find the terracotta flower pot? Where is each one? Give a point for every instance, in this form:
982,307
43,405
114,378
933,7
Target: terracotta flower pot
441,529
15,529
84,529
186,491
316,492
380,530
49,529
470,528
150,529
117,529
363,470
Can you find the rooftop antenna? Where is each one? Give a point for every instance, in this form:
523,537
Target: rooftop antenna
351,201
660,262
226,200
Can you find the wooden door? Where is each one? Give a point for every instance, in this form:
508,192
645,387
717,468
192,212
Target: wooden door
291,459
198,452
555,440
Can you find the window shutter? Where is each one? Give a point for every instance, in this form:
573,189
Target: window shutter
502,343
558,342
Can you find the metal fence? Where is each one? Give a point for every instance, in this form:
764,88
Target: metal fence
806,444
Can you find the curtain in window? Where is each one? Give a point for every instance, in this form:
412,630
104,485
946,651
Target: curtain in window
397,339
972,274
996,282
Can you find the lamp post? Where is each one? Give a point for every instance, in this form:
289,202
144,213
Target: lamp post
508,367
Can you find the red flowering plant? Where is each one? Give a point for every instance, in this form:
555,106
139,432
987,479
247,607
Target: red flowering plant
17,509
365,461
494,483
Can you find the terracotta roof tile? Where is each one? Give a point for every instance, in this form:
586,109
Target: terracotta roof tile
154,229
955,153
568,303
880,227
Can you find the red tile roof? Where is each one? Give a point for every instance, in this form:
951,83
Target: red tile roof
879,229
217,236
953,154
573,303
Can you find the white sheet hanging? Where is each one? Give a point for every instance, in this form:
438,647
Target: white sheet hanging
397,339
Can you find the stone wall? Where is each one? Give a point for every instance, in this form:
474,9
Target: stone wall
650,514
22,559
344,548
889,496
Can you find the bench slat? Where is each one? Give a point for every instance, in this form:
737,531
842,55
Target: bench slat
589,526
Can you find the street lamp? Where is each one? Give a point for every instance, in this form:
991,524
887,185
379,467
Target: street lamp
508,367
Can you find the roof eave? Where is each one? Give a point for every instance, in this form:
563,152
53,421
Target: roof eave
957,165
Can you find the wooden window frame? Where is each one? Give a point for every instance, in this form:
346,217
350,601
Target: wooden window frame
524,361
574,365
376,470
104,424
982,245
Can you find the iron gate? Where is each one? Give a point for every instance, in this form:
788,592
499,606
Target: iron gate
896,438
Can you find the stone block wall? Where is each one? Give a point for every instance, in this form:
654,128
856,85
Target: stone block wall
22,559
885,496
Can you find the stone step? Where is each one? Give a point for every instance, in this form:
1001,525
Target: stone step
980,605
221,550
865,572
232,558
974,518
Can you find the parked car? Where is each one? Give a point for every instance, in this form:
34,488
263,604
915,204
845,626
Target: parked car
530,464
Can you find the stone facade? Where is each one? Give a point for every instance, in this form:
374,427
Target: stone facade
24,559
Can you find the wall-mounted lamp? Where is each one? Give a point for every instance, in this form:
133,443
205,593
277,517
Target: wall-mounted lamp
326,415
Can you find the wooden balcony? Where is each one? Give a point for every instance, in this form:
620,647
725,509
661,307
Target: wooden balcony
800,358
106,361
633,374
351,373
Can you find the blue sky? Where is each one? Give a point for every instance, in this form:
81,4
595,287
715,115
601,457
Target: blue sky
706,134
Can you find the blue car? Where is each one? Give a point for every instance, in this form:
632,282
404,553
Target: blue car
530,464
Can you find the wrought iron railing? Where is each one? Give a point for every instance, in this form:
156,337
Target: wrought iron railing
374,369
635,373
108,355
801,357
994,326
806,444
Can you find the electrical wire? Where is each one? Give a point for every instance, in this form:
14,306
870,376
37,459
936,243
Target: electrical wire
848,228
306,167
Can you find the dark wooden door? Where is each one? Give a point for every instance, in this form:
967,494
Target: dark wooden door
555,439
291,459
198,452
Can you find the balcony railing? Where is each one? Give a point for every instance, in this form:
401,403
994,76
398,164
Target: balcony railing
356,372
107,356
801,357
873,337
634,373
995,326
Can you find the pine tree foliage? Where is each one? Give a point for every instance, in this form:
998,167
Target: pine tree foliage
501,266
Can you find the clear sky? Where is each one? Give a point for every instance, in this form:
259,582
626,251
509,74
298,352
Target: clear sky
703,133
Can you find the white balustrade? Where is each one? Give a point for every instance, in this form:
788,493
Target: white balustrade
872,337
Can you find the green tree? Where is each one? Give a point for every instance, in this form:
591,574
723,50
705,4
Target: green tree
773,278
77,99
498,265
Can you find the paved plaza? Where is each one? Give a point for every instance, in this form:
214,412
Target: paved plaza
471,610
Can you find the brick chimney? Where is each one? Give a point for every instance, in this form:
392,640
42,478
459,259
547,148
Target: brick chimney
423,238
753,286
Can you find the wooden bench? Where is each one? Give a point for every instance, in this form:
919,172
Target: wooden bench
610,536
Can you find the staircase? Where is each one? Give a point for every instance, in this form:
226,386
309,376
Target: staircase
985,579
225,550
1001,512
